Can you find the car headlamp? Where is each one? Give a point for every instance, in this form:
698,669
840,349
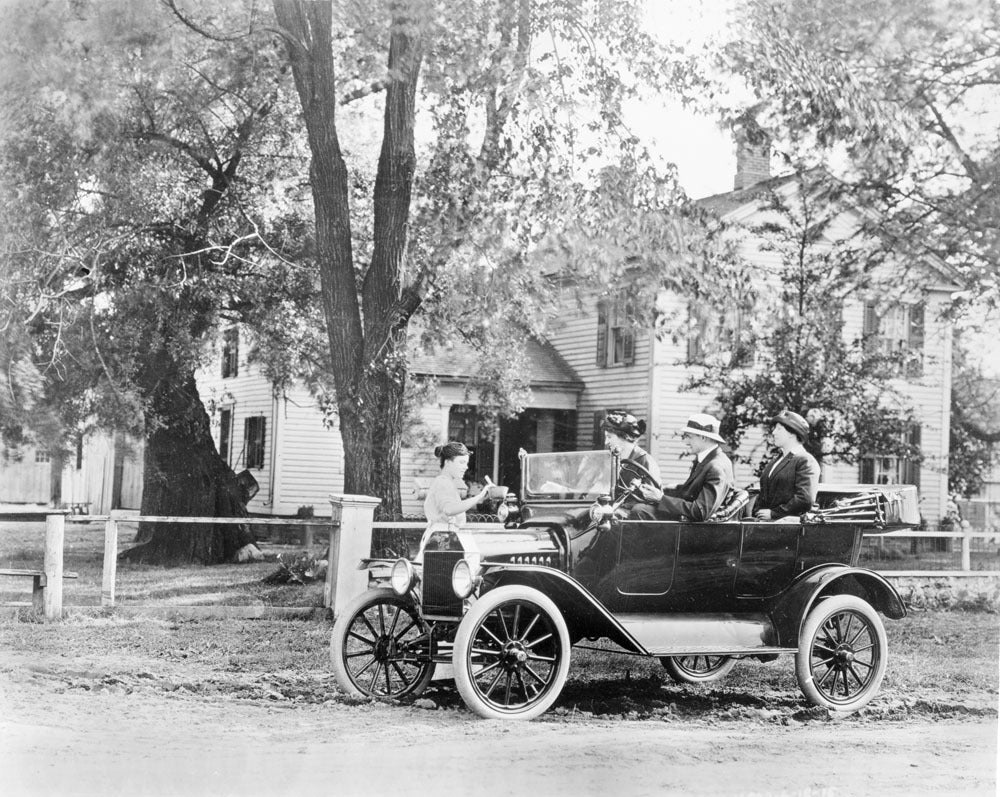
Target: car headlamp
502,512
463,581
403,577
601,509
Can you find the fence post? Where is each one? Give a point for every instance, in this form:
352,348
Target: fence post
55,528
110,569
966,549
350,542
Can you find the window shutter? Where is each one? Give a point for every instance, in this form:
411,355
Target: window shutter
869,325
915,341
694,337
602,334
867,471
598,431
628,335
253,441
911,467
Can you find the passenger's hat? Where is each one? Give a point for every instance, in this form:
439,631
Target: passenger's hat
793,422
704,425
624,424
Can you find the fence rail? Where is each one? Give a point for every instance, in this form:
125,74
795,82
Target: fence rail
350,536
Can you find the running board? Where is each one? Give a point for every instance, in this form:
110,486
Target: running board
690,634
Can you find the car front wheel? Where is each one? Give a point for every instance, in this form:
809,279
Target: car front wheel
842,654
698,669
380,647
511,654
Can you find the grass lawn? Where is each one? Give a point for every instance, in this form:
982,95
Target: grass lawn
22,545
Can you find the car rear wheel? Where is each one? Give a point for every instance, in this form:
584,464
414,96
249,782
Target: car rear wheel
842,654
380,647
698,669
511,654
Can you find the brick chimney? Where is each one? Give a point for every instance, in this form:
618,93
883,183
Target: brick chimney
753,162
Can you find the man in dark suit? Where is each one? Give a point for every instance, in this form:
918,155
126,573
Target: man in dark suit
790,480
706,487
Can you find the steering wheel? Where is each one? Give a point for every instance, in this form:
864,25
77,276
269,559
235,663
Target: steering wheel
630,470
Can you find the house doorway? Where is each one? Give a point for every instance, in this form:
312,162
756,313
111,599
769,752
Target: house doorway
495,447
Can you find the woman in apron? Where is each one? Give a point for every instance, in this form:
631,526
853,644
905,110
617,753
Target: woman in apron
444,506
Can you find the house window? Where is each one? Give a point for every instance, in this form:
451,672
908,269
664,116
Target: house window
874,469
465,427
225,431
230,352
253,441
42,456
713,333
616,324
896,331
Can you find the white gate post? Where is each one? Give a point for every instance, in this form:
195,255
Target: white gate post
350,542
110,569
55,527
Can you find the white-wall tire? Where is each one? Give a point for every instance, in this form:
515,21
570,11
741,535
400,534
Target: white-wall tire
512,653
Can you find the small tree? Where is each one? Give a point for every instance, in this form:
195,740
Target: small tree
973,450
803,361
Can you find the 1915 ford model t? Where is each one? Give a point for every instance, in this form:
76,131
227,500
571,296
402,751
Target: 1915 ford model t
505,606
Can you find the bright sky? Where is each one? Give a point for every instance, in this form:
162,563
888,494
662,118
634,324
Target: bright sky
705,155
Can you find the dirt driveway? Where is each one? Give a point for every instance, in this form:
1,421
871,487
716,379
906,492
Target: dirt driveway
69,731
114,707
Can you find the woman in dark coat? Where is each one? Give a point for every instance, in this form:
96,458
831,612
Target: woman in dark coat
789,481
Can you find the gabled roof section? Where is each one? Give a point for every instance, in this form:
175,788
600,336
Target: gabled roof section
460,362
725,203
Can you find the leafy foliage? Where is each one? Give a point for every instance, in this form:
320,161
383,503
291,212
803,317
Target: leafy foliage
803,360
900,94
975,412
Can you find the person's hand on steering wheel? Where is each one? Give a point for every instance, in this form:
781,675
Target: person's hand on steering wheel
642,485
649,493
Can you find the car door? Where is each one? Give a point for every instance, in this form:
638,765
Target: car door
767,559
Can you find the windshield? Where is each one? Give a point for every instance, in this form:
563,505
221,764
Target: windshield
569,474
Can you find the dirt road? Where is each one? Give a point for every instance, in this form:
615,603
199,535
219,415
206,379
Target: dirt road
69,727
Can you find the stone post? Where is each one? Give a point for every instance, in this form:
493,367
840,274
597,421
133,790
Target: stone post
350,542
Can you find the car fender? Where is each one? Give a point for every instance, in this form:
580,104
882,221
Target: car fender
789,609
583,613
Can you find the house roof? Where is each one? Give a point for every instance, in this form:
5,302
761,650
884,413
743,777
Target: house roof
729,202
460,362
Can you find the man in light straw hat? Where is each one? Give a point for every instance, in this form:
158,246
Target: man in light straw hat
706,487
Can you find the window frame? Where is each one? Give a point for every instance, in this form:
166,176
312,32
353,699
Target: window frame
902,470
616,328
896,330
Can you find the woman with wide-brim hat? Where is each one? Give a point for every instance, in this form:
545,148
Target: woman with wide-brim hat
789,481
621,430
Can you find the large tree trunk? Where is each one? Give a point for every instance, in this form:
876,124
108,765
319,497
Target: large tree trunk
185,476
368,358
372,439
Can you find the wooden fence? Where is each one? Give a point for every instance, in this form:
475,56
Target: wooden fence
350,540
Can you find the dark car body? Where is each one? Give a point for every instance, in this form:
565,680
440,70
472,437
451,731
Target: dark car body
694,594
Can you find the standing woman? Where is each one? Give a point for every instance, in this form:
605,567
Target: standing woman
790,480
444,504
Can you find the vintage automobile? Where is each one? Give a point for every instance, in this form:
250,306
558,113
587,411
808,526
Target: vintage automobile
505,605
